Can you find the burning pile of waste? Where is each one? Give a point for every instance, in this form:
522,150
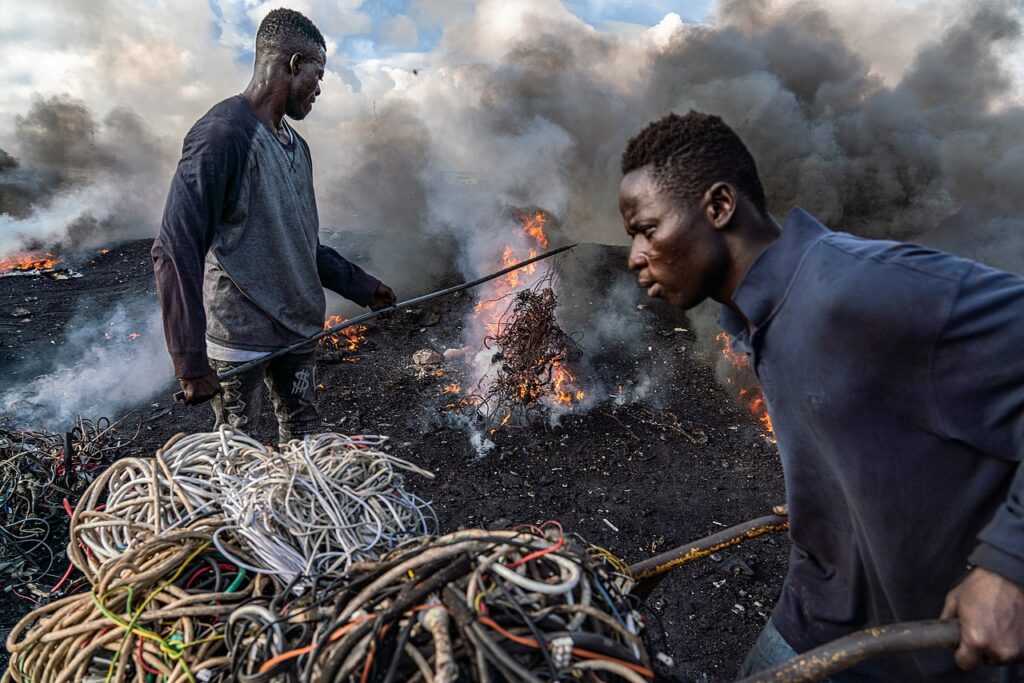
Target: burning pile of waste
342,346
519,355
532,351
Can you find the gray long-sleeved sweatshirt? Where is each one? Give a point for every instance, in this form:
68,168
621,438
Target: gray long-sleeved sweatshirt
238,258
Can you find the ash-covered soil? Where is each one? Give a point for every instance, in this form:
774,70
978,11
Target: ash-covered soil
667,460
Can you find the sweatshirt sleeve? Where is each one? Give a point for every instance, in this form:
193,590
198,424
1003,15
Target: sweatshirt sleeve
340,275
205,183
979,389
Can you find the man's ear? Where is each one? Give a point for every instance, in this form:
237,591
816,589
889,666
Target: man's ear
720,204
293,63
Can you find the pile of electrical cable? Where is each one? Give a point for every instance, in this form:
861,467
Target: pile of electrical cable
171,545
41,474
525,604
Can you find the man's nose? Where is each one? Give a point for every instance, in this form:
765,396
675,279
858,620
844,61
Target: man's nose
637,258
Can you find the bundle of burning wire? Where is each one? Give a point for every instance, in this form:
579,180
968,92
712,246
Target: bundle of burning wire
525,605
310,509
39,470
156,612
530,348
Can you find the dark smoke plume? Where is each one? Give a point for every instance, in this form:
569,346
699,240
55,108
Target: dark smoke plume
77,182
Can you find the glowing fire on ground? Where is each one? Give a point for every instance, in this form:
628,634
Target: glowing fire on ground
28,263
749,396
347,339
494,299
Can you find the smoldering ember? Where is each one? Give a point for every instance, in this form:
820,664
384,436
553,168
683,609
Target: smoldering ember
554,473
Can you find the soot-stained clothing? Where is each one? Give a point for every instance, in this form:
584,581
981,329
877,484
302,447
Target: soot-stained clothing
240,236
895,380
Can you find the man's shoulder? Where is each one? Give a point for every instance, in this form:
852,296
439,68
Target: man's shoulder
230,122
878,261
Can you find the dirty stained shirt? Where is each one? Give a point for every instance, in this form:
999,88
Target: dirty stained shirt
894,376
238,259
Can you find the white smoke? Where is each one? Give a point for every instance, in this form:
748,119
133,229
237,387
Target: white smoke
106,370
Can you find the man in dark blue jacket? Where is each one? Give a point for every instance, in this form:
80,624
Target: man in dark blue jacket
895,382
239,266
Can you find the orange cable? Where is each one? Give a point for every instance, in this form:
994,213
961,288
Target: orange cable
292,654
578,651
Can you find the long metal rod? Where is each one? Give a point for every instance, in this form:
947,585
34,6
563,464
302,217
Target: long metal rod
650,572
669,560
848,651
245,367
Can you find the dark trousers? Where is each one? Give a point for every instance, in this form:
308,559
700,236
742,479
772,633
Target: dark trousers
291,380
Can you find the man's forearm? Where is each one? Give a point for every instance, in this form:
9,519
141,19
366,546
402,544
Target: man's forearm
180,293
344,277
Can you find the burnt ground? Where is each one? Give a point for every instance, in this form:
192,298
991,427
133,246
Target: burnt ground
633,476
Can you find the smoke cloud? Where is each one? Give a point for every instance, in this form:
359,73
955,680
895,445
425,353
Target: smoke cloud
77,182
107,367
421,157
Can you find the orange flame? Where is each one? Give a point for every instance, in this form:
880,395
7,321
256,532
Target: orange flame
452,389
563,389
349,338
752,397
27,263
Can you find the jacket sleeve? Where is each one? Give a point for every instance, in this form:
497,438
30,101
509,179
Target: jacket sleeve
344,277
209,172
979,389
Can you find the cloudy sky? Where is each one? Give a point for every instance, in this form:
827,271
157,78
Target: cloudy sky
884,117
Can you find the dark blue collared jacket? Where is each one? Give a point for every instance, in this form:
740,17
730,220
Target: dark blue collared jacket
894,376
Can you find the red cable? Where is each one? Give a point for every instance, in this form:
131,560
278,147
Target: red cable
142,661
62,579
540,553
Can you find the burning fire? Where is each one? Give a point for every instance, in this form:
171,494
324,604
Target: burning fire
563,389
28,263
347,339
752,397
452,389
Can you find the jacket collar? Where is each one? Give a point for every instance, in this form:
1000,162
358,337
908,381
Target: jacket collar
767,282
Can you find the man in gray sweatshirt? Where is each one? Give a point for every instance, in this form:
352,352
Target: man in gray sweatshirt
239,266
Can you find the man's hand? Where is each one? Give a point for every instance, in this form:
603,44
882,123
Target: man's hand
200,389
382,298
991,613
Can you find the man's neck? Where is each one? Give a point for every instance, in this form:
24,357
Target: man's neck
267,100
750,243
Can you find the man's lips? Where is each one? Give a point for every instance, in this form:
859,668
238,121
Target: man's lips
653,288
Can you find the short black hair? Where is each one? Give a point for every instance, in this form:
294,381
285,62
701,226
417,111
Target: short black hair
689,153
285,32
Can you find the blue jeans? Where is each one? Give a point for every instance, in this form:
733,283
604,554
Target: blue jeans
770,650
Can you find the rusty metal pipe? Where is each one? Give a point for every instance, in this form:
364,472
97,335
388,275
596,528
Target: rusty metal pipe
667,561
848,651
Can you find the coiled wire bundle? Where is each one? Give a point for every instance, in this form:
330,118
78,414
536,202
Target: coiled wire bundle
156,612
524,605
311,509
318,505
39,470
173,544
